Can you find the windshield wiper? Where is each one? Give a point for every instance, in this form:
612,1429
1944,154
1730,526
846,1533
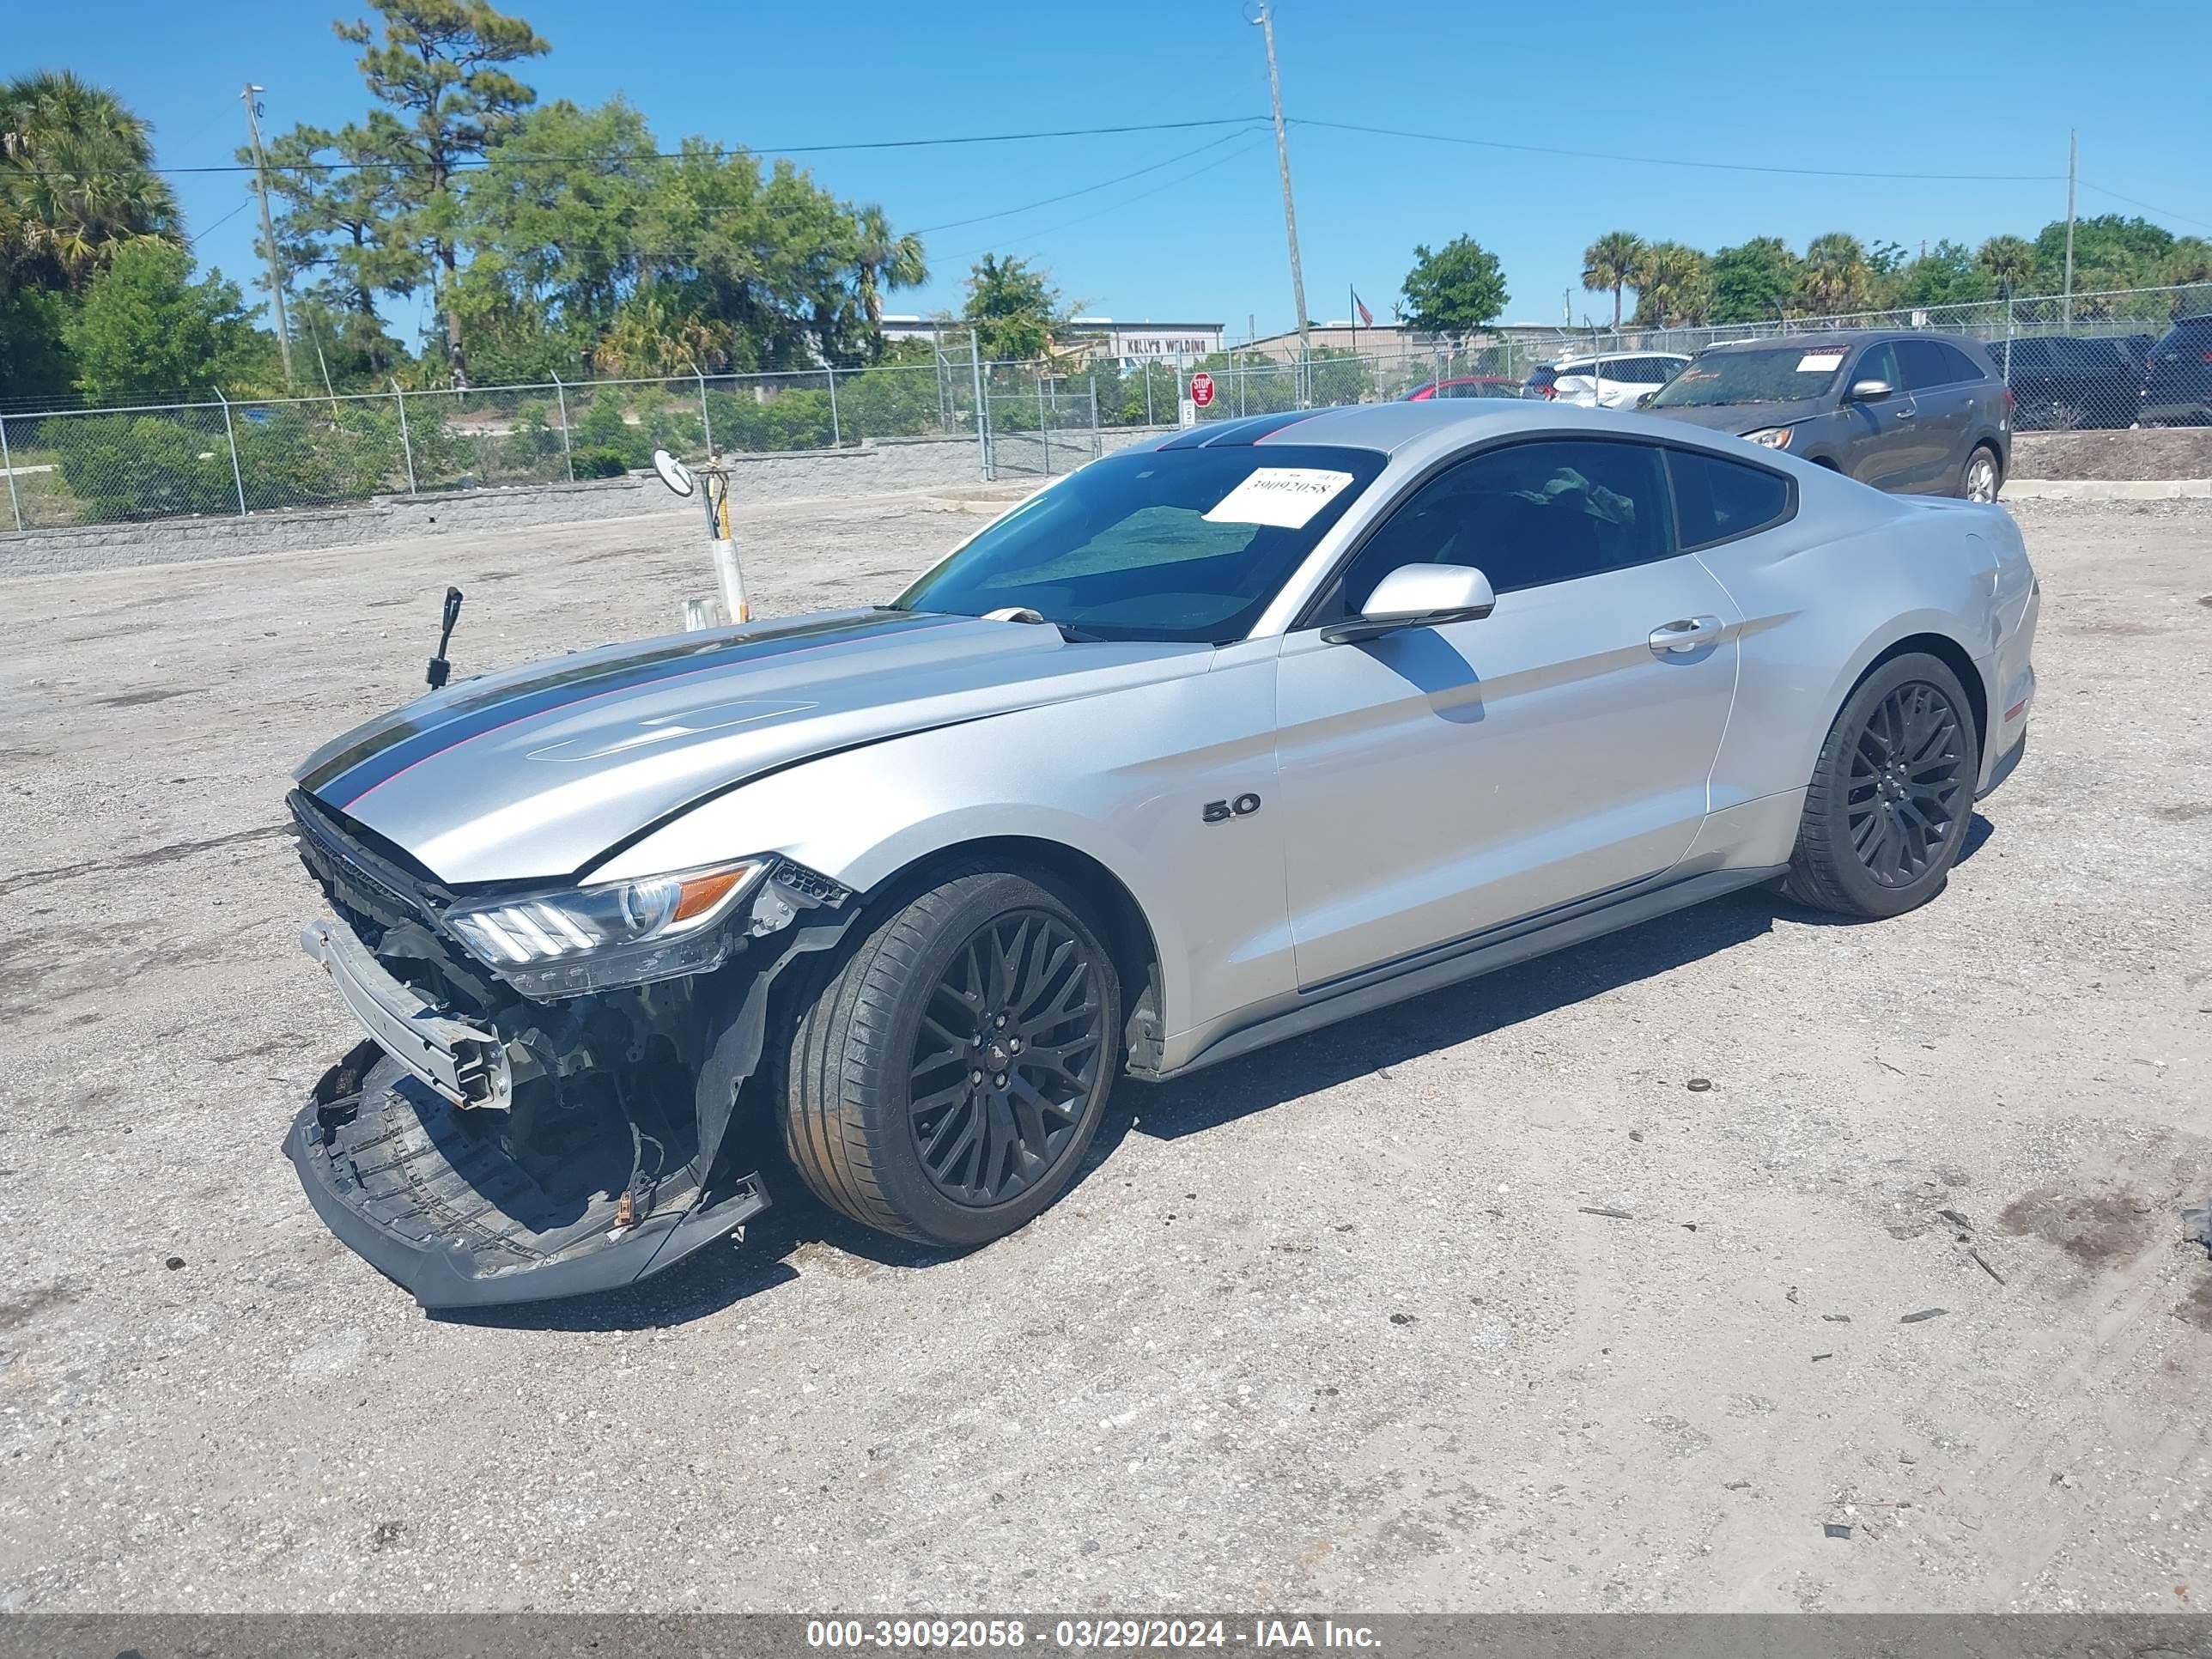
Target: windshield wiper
1075,635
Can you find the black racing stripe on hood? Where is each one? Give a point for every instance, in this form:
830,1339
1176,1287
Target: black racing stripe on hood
346,777
1227,434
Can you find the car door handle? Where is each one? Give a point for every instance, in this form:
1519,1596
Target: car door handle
1685,636
1904,414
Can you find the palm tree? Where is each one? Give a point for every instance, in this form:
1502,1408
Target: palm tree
1673,286
2009,261
1607,263
2190,261
76,177
1836,277
886,261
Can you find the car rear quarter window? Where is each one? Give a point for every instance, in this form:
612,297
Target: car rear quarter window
1717,500
1962,365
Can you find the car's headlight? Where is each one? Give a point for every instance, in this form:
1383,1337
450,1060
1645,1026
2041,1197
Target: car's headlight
1774,437
567,941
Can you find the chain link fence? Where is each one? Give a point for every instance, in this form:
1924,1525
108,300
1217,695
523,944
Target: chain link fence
2098,359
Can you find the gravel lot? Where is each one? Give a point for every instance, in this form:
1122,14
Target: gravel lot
1349,1324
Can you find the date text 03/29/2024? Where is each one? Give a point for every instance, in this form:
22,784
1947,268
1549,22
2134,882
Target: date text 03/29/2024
1101,1634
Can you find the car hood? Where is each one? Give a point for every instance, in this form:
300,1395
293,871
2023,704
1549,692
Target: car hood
1741,418
537,771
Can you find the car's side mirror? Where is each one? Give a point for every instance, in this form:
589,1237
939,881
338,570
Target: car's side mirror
1644,401
1418,596
1869,392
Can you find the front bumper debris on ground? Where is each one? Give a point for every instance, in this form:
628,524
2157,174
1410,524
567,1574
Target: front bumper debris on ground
430,1194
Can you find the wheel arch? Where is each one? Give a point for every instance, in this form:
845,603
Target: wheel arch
1954,656
1130,936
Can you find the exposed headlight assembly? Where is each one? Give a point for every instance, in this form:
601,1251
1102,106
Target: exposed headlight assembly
1774,437
567,941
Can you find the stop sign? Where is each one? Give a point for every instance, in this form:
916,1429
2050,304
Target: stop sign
1201,388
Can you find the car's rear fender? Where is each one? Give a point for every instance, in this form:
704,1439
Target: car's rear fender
1820,610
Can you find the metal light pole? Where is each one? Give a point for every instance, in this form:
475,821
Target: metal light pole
1266,23
267,231
2070,156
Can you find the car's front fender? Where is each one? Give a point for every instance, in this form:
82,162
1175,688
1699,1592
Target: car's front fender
1121,780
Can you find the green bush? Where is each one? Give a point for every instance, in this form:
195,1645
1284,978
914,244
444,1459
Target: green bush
600,463
797,419
140,466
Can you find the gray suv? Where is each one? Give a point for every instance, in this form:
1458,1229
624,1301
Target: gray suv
1909,411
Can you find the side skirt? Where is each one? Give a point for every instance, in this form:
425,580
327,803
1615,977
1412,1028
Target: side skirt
1470,959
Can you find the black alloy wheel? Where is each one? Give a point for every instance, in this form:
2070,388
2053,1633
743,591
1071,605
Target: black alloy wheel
951,1058
1892,792
1907,780
1006,1058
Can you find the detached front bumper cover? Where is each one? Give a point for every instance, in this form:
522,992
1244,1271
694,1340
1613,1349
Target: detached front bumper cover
404,1178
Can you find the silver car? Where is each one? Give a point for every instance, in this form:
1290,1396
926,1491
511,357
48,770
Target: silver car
1214,742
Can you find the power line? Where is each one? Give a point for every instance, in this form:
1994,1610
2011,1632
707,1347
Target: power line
2163,213
1244,149
1068,195
503,158
225,220
1673,161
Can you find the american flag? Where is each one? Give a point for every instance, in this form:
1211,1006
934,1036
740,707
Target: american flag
1366,317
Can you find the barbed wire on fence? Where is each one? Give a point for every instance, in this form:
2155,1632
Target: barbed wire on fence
2071,360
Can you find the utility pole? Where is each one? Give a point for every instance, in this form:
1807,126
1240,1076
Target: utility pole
1266,21
267,231
2070,158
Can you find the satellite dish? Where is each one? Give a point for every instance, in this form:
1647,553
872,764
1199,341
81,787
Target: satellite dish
673,472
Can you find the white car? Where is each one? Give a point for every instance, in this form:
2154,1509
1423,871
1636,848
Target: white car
1614,379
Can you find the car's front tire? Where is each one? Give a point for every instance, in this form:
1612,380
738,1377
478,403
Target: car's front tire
1892,792
950,1065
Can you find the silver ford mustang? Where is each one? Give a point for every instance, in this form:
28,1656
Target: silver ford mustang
1214,742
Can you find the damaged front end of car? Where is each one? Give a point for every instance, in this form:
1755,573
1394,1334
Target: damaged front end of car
542,1105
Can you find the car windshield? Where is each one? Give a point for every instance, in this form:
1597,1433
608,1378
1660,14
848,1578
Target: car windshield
1186,544
1783,375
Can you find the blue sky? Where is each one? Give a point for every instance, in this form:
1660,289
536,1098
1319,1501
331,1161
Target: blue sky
1896,88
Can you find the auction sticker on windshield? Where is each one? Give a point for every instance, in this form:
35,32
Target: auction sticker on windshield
1819,363
1283,497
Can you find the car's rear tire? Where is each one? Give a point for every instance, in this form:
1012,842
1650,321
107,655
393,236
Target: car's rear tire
1982,477
1891,795
950,1064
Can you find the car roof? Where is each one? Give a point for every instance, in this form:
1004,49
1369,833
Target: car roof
1393,426
1841,339
1612,356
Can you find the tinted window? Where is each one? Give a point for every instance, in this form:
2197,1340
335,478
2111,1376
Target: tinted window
1157,545
1923,365
1716,499
2191,334
2029,354
1879,363
1962,364
1526,515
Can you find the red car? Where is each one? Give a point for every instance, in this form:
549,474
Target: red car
1466,386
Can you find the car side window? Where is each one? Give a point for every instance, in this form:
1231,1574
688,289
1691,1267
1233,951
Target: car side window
1525,515
1964,368
1923,365
1878,362
1717,500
